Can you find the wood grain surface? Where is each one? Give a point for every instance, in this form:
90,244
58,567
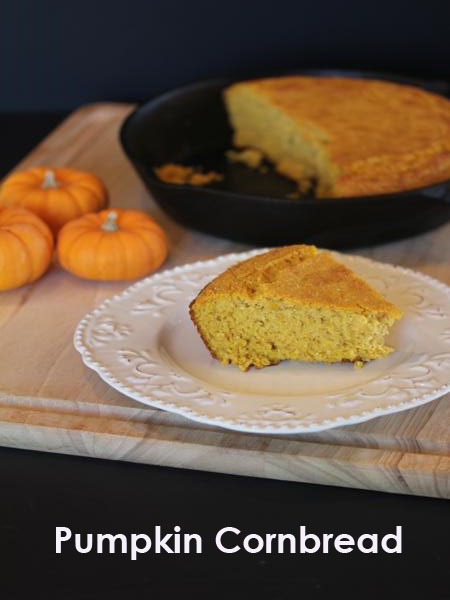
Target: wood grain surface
50,401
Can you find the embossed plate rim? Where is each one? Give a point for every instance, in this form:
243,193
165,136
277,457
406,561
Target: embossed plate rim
252,426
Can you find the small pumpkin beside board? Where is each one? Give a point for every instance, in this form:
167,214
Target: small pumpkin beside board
105,245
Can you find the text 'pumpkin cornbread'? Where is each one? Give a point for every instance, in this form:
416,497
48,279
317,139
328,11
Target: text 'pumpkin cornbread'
355,137
296,303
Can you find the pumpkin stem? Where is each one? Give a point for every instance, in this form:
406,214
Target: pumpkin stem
49,180
111,222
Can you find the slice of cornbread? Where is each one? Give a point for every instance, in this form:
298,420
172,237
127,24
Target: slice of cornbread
296,303
355,137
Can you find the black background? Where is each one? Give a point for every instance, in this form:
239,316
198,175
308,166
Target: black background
57,55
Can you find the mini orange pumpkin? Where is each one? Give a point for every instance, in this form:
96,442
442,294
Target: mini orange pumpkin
55,195
26,246
112,245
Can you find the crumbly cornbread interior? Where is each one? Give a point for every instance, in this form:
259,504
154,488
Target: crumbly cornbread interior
292,303
259,123
351,136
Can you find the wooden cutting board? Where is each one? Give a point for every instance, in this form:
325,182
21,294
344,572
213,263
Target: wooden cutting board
50,401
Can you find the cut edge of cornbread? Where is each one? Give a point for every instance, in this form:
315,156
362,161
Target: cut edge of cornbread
295,150
255,315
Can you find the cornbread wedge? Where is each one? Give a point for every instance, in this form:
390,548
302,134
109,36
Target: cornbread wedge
354,137
296,303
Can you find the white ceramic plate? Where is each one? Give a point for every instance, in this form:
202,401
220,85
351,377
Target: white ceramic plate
143,343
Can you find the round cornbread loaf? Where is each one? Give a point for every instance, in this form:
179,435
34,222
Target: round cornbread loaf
356,137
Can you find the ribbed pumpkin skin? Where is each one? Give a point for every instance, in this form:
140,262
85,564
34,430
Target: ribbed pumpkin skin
76,193
137,248
26,247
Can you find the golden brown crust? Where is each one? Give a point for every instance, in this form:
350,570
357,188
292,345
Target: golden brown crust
313,279
379,136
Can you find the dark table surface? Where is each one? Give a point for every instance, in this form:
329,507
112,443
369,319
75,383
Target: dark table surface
39,492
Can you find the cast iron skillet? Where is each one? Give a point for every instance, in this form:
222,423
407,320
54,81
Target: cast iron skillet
189,125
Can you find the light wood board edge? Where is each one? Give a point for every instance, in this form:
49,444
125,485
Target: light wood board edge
227,452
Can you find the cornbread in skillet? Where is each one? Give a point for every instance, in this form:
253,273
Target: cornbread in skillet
296,303
355,137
